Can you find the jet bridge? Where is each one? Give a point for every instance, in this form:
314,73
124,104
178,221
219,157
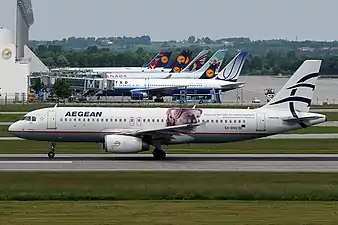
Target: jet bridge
97,86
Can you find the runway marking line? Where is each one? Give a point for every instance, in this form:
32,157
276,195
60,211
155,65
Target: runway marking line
36,162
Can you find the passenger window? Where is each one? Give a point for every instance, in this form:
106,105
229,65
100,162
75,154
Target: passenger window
65,119
225,121
216,121
212,121
84,120
158,120
162,120
61,119
243,121
74,119
153,120
234,121
239,121
221,121
144,120
230,121
102,120
125,120
115,120
120,120
98,120
111,120
88,120
70,119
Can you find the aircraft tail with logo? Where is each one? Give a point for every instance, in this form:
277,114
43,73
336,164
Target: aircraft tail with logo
297,94
197,62
217,59
210,72
233,69
181,61
159,61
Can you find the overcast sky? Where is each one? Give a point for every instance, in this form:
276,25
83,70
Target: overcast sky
177,19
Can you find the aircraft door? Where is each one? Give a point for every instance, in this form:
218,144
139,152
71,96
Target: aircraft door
131,121
139,121
261,122
51,120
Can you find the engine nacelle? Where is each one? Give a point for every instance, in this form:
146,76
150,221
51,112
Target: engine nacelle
124,144
138,95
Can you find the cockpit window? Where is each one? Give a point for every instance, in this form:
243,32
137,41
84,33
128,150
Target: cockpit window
29,118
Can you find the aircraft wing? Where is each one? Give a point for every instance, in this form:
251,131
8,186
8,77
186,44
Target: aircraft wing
162,131
158,89
233,85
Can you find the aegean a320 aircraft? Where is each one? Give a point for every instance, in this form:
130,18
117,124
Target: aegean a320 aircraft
132,130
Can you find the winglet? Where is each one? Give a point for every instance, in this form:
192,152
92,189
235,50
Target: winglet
56,105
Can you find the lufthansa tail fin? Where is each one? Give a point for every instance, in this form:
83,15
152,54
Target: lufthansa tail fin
159,61
181,61
296,95
233,69
210,72
197,62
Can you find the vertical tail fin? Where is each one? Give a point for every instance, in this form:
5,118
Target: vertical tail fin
181,61
216,59
296,95
160,60
232,71
209,72
197,62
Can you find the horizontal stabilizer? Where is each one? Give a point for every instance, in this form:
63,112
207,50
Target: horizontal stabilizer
301,119
233,85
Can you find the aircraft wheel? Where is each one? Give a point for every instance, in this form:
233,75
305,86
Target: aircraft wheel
51,154
159,154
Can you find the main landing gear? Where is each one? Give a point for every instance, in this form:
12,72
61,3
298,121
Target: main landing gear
159,154
51,152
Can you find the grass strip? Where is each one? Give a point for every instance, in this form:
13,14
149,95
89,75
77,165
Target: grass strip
264,146
168,186
168,212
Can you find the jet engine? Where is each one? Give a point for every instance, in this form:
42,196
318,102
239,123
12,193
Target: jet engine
124,144
138,95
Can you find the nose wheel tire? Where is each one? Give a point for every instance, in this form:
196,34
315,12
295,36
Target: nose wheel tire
51,154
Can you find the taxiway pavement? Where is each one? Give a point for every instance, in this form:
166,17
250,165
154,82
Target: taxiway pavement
174,162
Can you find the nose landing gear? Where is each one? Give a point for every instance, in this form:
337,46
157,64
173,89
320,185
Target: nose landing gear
51,152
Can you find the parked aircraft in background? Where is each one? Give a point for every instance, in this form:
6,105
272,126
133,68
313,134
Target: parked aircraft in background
208,83
132,130
216,59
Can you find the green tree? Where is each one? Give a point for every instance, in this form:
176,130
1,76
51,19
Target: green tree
61,89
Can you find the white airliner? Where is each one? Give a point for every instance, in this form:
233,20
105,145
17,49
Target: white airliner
132,130
208,81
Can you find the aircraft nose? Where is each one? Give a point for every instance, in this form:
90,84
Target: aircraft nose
13,127
10,128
